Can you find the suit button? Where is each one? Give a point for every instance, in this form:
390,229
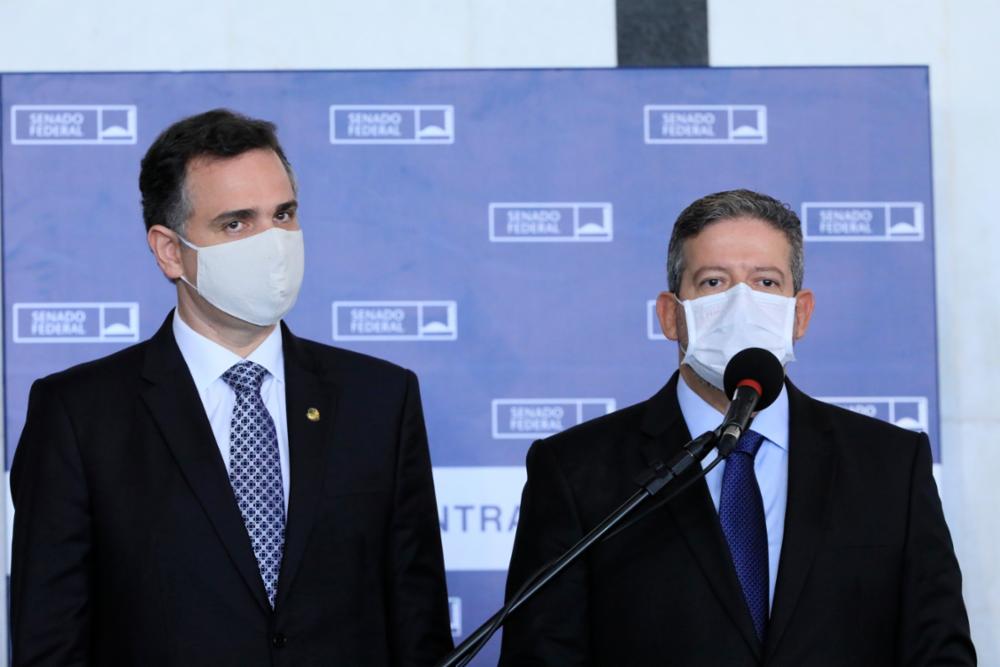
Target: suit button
279,640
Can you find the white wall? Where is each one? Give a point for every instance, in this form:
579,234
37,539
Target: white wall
119,35
958,41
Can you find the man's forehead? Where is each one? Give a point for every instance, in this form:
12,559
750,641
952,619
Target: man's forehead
737,237
739,228
732,221
204,161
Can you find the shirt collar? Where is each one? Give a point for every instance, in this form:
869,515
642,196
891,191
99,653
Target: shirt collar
207,360
772,422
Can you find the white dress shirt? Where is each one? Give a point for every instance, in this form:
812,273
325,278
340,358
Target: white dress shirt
207,361
770,465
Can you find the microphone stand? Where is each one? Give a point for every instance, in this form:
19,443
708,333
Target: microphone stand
653,481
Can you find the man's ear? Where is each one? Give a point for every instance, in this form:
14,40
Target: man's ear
804,304
667,312
166,248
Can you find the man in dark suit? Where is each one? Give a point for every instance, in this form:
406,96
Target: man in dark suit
226,493
819,541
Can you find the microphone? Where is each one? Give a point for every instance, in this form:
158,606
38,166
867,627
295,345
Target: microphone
753,379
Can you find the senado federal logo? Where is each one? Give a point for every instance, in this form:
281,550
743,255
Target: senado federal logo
705,124
863,221
653,330
392,124
532,418
68,124
455,615
395,320
76,322
546,222
909,412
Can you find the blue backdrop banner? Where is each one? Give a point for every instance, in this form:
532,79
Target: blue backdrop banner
502,233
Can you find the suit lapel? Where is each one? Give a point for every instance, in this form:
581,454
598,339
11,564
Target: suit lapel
811,464
693,512
173,401
310,408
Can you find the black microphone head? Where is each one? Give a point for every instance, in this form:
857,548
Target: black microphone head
759,365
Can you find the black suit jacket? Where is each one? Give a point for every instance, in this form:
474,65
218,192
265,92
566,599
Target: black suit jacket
129,548
867,573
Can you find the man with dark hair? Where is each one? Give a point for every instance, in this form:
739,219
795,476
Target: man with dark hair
819,540
226,493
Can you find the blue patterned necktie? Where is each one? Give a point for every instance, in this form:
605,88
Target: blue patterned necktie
741,512
255,471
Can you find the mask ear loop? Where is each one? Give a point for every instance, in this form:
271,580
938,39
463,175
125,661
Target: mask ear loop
681,304
196,249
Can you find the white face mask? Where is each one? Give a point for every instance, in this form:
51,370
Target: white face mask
255,279
720,325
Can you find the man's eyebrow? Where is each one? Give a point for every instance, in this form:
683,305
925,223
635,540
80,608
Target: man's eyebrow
237,214
702,269
243,213
776,269
723,269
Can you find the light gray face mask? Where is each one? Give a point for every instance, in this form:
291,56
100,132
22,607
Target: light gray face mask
720,325
256,279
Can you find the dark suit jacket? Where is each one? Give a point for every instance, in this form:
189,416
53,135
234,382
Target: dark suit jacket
867,574
129,548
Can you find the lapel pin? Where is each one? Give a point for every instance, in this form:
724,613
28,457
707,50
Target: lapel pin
312,414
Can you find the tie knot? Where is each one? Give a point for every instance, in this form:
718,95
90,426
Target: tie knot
749,443
245,376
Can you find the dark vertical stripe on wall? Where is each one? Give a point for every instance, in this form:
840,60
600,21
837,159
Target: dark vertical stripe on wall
662,33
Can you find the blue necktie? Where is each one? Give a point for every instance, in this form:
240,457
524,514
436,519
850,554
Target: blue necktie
255,471
741,512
